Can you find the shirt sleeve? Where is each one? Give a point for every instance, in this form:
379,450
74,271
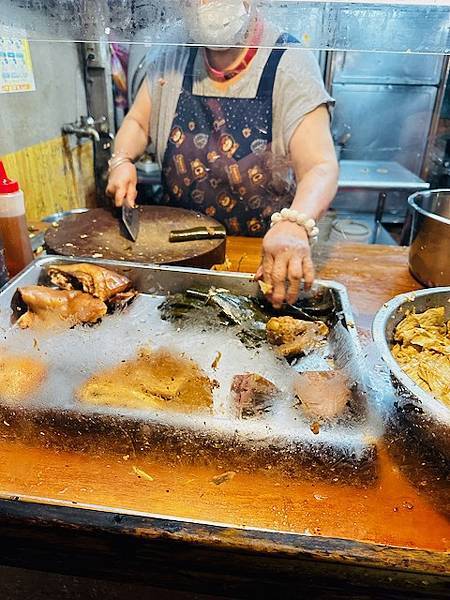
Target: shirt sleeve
298,90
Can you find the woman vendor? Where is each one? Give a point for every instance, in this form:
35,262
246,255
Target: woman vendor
242,133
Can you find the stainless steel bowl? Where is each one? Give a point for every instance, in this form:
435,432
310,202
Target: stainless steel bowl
55,217
422,414
429,253
417,425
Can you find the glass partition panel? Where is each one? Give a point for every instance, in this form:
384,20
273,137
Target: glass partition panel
394,26
182,400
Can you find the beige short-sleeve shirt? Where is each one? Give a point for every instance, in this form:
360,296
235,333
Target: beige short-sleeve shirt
298,88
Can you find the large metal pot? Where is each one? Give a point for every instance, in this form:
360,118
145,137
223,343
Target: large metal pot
429,253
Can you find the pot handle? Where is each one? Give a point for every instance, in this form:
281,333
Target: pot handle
406,230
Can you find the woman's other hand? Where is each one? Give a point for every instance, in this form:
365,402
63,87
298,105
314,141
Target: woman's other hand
286,261
122,184
286,258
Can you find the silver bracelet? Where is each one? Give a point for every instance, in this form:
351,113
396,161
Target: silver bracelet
116,161
294,216
118,153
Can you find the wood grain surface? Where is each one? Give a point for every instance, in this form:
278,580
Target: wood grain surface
392,512
99,233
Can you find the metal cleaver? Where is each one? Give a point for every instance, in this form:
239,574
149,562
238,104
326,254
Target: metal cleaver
130,220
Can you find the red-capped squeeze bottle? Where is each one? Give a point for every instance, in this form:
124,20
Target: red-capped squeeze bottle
13,225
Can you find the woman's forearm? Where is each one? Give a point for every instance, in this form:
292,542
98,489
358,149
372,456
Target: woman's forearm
315,165
316,189
131,139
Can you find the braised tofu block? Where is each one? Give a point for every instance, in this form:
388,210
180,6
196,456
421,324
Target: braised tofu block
154,380
20,376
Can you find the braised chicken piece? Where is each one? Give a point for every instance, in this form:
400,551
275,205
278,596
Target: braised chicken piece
293,337
252,395
323,394
92,279
154,380
47,306
20,376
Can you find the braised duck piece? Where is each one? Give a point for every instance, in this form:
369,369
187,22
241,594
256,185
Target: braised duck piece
252,395
20,376
92,279
47,306
154,380
323,394
293,337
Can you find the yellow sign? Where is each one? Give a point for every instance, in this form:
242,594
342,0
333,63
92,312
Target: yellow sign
16,69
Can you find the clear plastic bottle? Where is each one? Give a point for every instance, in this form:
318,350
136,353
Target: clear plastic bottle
13,225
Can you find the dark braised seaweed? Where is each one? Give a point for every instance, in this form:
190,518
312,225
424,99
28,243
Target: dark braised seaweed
249,316
219,307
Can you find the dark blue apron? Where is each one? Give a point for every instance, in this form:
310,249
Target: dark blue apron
219,157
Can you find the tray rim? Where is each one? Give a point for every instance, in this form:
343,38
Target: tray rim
56,258
34,511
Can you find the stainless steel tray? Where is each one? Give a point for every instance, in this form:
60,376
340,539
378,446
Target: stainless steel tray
346,448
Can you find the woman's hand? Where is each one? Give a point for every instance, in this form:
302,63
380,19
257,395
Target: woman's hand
122,184
286,260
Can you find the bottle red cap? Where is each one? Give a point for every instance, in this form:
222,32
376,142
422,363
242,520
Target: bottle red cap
7,186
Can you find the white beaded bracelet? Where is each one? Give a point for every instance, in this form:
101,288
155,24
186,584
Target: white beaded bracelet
294,216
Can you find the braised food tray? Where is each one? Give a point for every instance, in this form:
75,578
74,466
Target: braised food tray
341,450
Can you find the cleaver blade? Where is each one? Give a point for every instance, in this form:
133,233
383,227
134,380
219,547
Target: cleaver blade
130,220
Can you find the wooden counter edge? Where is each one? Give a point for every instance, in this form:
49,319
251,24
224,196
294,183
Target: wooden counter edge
89,542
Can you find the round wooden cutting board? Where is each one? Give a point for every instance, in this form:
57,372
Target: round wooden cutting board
99,233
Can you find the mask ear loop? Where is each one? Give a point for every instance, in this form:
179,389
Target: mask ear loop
254,31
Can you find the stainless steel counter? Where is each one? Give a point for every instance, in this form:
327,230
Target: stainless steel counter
362,174
378,175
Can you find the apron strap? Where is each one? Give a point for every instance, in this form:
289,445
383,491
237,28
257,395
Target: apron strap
265,87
